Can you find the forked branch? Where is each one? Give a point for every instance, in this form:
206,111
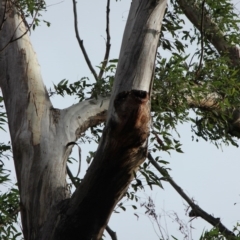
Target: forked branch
4,16
12,39
202,41
80,41
112,234
108,44
196,210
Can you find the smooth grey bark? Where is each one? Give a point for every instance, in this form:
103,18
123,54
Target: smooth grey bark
40,133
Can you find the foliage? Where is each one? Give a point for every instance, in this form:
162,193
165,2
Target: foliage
9,199
83,88
214,234
30,10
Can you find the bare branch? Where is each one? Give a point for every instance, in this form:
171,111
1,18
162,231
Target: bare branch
112,234
80,41
94,112
84,115
202,41
108,44
196,210
4,17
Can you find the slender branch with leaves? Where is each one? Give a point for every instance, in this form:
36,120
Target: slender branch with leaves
196,210
108,44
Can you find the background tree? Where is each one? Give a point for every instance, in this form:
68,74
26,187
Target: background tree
196,88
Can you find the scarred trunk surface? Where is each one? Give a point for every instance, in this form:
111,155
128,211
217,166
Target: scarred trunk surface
38,146
40,133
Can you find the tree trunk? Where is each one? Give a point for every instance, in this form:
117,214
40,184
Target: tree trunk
40,133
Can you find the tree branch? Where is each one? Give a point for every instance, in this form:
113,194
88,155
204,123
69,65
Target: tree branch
12,39
92,112
3,16
196,210
80,41
202,41
216,37
108,45
72,178
112,234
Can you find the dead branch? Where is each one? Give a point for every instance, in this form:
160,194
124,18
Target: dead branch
202,41
72,177
108,44
80,41
196,210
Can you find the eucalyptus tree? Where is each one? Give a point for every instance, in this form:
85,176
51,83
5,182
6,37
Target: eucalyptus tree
150,95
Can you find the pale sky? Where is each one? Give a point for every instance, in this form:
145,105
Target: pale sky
207,174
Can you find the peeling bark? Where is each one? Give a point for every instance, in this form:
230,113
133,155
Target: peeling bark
121,151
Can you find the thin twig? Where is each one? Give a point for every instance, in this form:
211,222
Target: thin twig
4,18
202,41
50,5
27,30
195,208
112,234
108,44
80,41
71,177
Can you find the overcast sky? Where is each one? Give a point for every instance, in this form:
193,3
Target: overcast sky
207,174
